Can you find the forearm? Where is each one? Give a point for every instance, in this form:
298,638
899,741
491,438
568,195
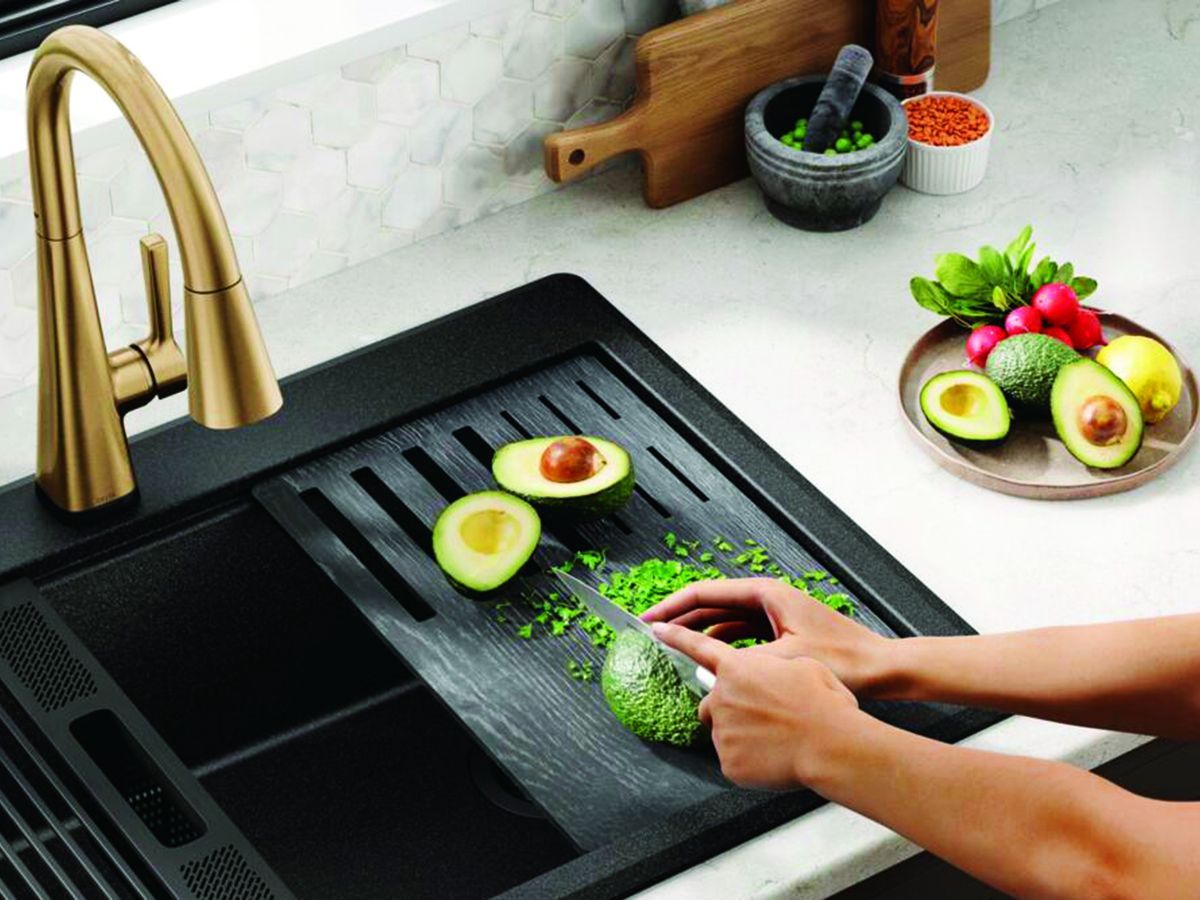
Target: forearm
1139,676
1028,827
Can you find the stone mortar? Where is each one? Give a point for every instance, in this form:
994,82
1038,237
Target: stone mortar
813,191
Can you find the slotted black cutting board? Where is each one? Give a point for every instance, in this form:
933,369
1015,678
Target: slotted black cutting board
554,735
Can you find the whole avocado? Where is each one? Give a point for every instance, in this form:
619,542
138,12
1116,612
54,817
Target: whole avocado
1025,366
646,694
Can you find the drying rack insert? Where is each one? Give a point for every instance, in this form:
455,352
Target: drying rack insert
93,804
364,514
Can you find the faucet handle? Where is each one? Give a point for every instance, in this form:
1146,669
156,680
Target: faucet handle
159,348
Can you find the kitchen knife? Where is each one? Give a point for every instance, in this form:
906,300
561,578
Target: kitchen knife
697,678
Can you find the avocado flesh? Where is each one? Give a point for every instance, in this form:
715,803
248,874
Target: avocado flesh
517,468
1025,366
481,540
646,694
1085,382
967,406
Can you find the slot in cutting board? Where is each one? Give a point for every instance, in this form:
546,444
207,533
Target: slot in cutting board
695,77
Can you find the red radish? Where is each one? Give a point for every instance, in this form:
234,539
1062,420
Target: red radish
981,342
1085,331
1059,334
1057,303
1022,320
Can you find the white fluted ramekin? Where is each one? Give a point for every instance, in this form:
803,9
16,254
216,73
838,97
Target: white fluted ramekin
948,170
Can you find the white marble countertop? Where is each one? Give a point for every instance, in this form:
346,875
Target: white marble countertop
801,335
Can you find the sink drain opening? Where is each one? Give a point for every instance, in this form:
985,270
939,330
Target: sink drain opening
494,784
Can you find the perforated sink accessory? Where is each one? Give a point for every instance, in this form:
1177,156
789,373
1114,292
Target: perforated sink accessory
92,802
364,514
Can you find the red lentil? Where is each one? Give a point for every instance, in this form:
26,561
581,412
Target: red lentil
945,121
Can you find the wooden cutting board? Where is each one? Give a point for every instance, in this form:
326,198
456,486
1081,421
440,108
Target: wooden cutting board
695,77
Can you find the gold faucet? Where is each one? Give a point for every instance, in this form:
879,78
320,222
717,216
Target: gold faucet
83,390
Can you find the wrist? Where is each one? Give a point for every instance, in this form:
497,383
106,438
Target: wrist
894,669
826,754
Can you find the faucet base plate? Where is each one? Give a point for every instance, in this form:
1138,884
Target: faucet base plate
104,512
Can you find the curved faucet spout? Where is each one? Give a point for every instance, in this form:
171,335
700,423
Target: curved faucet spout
209,263
83,457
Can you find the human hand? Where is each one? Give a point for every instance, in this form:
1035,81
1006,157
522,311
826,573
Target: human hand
773,720
795,624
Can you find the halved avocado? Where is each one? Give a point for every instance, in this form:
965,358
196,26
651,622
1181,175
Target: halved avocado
966,406
1096,415
482,540
517,468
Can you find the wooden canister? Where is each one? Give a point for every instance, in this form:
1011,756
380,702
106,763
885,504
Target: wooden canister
906,45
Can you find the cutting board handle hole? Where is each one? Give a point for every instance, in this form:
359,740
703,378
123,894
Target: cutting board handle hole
577,156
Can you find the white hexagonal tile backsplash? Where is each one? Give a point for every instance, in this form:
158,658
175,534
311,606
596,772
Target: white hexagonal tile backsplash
356,161
350,163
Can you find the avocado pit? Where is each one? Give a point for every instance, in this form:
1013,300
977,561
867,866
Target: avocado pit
570,460
1102,421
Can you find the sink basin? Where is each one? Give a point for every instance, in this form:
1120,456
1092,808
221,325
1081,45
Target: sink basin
260,677
346,774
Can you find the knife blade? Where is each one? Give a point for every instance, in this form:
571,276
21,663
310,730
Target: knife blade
698,679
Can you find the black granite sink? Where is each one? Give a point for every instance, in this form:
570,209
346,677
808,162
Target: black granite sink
346,773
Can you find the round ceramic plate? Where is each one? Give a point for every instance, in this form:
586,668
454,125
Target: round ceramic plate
1033,462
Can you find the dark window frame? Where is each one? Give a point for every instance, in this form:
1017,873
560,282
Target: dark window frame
23,25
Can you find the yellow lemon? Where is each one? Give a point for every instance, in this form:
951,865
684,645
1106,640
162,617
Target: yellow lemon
1148,369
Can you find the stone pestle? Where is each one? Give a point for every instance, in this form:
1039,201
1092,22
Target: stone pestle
828,118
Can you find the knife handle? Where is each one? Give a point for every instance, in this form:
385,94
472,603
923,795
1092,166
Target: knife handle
706,678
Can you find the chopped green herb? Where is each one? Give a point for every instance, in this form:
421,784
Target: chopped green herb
746,642
592,559
581,670
839,602
641,586
597,631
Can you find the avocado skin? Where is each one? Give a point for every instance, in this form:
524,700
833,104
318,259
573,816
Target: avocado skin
469,593
976,443
1025,366
646,694
593,506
